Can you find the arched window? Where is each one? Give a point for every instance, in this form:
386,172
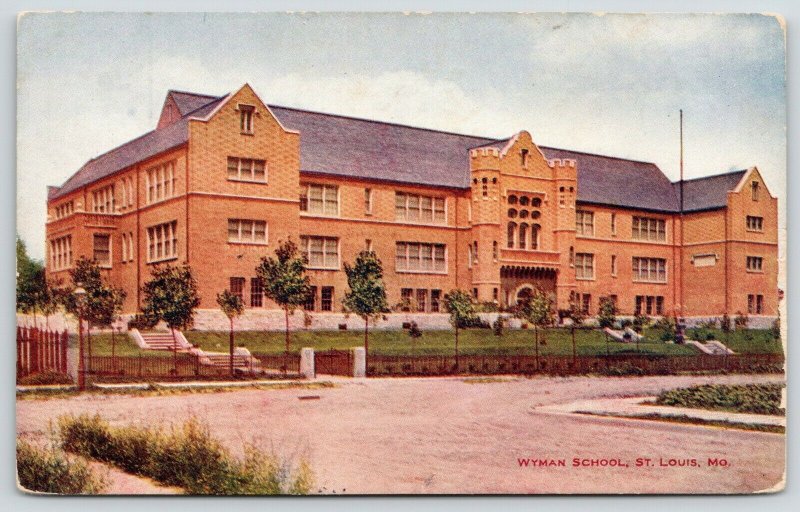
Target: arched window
494,180
536,202
572,189
495,251
535,215
523,214
561,189
523,201
512,199
485,187
572,256
512,229
535,236
512,212
523,236
475,181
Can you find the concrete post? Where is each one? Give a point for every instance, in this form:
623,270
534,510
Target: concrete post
72,363
307,363
359,362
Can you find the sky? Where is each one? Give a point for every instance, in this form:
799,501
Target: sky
609,84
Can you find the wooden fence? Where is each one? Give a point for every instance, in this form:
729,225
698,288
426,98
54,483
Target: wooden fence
40,350
378,365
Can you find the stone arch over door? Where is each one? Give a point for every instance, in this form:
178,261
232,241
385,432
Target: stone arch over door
516,279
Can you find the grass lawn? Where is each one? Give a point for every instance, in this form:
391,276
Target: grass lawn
471,341
750,398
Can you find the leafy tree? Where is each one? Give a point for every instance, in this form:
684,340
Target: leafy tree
285,279
31,283
725,323
575,311
102,302
537,309
233,307
171,295
741,321
367,295
458,303
607,313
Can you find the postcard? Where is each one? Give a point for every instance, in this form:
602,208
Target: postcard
353,254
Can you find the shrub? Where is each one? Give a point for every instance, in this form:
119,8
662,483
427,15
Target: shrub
775,330
622,369
751,398
141,322
414,331
741,320
499,325
51,470
47,377
640,322
607,314
667,327
708,324
187,456
725,323
487,307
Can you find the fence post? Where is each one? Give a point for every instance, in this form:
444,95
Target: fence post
307,369
359,361
140,364
64,343
34,341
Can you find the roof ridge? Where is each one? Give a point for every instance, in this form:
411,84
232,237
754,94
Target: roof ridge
204,105
169,91
600,155
384,122
727,173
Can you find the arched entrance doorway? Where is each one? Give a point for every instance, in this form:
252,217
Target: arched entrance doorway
524,293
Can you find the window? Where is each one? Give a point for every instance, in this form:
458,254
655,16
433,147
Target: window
422,300
485,187
416,208
754,189
649,305
613,223
584,223
243,231
131,246
311,300
652,270
646,228
613,265
326,298
322,252
406,297
586,303
256,292
237,287
319,199
367,201
368,245
124,252
61,252
523,236
103,200
659,305
130,192
436,297
523,157
512,230
571,256
755,304
475,293
755,263
65,209
420,257
475,251
162,242
704,260
470,256
755,223
101,250
637,309
535,236
246,118
159,182
495,251
247,169
584,266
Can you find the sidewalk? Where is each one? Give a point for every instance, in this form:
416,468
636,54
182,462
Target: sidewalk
633,408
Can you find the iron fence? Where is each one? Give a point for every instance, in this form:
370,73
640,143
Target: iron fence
41,350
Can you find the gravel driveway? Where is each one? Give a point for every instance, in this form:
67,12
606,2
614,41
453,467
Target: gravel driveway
451,435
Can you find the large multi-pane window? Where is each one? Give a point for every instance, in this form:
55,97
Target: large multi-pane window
319,199
65,209
422,300
322,252
246,231
652,270
417,208
420,257
326,298
647,228
311,300
103,200
237,287
436,299
61,252
160,182
584,222
755,223
247,169
101,249
162,242
584,266
755,304
755,263
649,305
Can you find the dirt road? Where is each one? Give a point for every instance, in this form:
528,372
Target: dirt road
455,436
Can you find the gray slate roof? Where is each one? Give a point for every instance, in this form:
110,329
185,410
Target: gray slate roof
708,193
367,149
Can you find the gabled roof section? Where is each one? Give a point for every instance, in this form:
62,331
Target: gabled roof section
362,148
188,102
708,193
130,153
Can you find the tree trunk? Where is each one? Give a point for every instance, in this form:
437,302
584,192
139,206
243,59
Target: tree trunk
231,345
456,348
574,347
536,344
366,342
174,350
89,344
286,316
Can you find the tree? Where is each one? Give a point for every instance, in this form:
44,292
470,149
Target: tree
171,295
233,306
285,280
367,295
32,289
537,309
607,313
458,303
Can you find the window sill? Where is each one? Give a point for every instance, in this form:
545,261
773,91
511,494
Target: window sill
322,268
240,180
250,133
162,260
320,215
428,272
649,282
750,271
754,230
237,242
585,279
